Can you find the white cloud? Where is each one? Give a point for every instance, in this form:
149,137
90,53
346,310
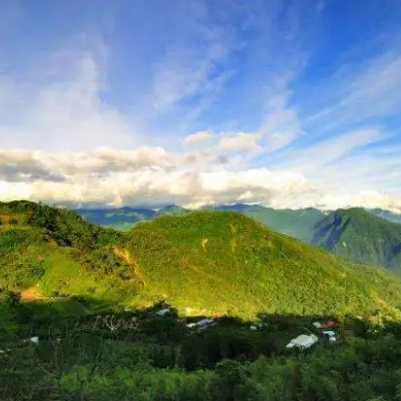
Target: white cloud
150,176
198,137
368,199
240,141
156,185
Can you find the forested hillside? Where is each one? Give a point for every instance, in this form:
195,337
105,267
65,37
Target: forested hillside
206,261
361,236
83,312
298,223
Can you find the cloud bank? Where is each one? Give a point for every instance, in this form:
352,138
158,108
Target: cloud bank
250,102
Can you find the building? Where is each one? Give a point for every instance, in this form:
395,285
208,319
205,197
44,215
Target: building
303,341
163,312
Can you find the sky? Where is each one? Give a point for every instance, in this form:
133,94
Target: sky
192,102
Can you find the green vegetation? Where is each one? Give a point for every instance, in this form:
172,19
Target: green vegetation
297,223
361,236
60,253
202,262
226,262
142,356
67,282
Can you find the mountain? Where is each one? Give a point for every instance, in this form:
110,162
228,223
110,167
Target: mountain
298,223
126,217
213,261
386,214
80,319
121,218
56,253
361,236
171,209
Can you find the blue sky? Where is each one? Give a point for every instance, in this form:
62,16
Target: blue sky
286,103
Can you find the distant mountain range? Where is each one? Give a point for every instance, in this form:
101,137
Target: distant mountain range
126,217
297,223
371,236
385,214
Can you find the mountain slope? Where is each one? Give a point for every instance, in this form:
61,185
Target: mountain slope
227,262
202,263
60,254
361,236
297,223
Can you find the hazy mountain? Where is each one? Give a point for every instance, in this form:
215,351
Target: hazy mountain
361,236
126,217
298,223
385,214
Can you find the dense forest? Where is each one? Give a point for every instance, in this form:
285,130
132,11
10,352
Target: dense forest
361,236
80,312
139,355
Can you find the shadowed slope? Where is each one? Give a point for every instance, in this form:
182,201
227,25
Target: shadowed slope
360,236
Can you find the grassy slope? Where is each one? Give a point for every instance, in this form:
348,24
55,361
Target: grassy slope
60,254
227,262
221,262
358,235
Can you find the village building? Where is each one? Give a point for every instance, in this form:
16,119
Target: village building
163,312
303,341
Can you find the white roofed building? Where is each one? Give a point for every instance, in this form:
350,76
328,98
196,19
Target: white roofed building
303,341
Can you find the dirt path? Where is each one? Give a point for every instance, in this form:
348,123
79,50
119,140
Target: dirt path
125,255
32,294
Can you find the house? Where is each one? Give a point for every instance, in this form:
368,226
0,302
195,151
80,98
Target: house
201,323
204,322
329,333
318,325
303,341
163,312
329,324
34,340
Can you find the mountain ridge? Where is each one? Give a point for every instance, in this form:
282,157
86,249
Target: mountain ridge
219,261
359,235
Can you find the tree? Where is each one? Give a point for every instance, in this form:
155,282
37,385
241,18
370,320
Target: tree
229,377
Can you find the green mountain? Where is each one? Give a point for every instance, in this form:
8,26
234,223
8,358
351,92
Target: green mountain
171,209
361,236
215,262
65,336
298,223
